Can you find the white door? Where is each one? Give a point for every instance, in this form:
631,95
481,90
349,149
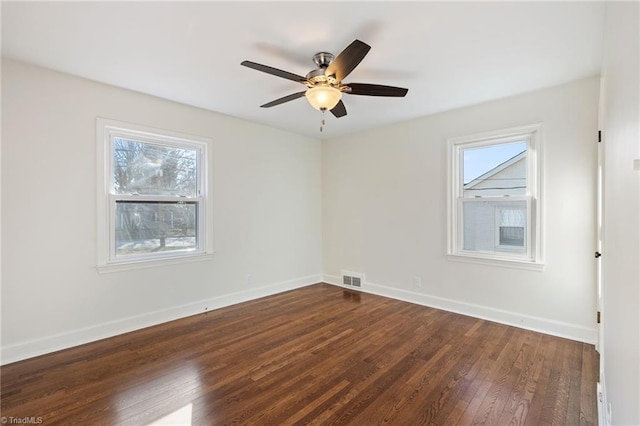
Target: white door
598,253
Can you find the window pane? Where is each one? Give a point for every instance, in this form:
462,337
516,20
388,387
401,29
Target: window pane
495,170
150,227
494,226
145,168
512,217
512,236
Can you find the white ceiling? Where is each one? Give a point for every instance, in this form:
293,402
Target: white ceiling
449,54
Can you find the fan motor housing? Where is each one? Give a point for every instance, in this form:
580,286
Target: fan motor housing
323,59
317,76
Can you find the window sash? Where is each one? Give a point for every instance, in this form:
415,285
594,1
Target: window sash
498,251
114,199
157,141
147,176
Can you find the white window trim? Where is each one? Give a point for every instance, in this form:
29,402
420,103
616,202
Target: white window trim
106,261
534,260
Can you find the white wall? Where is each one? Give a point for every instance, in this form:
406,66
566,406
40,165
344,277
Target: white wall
382,200
384,213
621,246
266,187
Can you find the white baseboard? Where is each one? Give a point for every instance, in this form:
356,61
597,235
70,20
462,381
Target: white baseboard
31,348
528,322
604,408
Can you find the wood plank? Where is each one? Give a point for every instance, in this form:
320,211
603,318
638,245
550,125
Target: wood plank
589,394
316,355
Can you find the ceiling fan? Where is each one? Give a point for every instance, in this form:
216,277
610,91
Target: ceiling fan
324,84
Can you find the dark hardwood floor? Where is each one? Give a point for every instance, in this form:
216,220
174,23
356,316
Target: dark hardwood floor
316,355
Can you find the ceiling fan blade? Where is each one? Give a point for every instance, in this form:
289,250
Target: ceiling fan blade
339,110
274,71
376,90
283,100
347,60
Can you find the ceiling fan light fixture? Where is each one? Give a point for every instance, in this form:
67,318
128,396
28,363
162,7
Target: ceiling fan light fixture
323,97
324,85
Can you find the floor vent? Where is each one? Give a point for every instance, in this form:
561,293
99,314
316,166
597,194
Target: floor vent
352,279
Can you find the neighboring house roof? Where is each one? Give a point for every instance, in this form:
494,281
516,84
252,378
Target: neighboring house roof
488,175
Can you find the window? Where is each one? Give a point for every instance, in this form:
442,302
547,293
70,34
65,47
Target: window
153,204
494,197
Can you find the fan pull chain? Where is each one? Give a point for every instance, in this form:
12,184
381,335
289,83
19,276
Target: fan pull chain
322,122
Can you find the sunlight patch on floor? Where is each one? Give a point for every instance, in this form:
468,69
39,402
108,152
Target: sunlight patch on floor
180,417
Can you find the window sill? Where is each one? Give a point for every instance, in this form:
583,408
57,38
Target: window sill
153,263
497,261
